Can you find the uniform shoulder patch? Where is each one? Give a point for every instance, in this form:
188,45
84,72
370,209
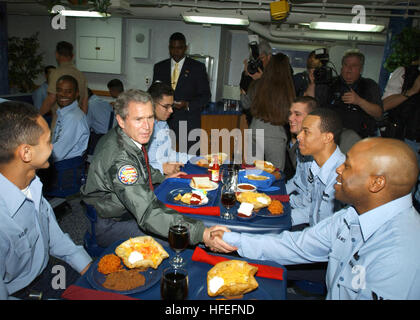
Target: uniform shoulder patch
128,174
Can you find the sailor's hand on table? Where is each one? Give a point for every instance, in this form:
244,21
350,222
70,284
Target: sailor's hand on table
212,238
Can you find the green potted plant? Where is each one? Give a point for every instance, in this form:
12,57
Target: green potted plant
25,63
98,5
101,5
405,46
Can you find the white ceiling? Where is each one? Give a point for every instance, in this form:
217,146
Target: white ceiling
258,12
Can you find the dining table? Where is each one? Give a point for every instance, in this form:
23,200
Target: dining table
271,278
261,223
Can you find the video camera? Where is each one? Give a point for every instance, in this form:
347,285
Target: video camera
254,62
323,74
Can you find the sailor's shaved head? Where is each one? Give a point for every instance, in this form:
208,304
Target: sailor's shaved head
393,159
376,171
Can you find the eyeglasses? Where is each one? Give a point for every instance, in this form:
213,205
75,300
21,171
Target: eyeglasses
166,106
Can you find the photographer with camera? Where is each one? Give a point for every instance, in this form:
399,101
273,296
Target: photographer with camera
260,55
271,97
401,100
305,81
356,99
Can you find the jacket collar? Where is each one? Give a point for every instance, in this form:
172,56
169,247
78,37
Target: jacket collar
128,142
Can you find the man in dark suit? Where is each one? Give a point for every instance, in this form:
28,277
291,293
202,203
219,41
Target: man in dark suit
190,82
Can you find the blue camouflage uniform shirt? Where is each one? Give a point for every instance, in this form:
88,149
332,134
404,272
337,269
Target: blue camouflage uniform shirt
99,114
296,186
71,134
315,195
160,147
39,95
374,255
29,233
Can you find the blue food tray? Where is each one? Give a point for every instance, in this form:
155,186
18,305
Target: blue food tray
170,184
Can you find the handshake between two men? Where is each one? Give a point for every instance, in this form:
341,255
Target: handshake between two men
213,238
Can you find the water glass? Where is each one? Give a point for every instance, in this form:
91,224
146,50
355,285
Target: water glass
174,284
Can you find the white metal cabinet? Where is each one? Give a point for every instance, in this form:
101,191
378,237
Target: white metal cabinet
98,45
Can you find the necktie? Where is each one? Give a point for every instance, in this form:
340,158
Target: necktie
175,76
146,158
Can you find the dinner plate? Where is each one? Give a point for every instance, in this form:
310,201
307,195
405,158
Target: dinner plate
214,186
173,193
265,213
152,276
245,218
260,184
194,161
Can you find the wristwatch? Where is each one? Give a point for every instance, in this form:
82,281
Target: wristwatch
405,94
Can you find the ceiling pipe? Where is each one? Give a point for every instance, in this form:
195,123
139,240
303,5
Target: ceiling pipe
321,4
273,34
313,8
345,6
207,5
265,33
372,38
369,14
260,3
249,9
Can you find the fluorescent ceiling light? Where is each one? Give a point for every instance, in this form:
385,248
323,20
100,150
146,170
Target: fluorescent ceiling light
210,18
344,26
79,13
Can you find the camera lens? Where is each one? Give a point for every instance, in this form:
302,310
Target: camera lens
254,65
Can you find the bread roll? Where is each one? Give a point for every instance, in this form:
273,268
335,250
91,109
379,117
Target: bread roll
201,183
